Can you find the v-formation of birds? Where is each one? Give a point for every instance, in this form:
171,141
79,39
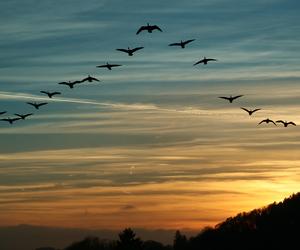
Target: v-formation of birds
130,51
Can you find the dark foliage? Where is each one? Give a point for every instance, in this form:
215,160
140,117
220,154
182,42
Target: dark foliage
273,227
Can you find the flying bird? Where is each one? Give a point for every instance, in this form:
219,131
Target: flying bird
108,66
250,112
90,79
267,121
70,84
3,112
205,60
285,123
23,116
10,120
182,44
230,98
50,94
149,28
37,105
130,51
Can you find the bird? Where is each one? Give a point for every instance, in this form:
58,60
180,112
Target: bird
3,112
108,66
285,123
182,44
149,28
267,121
37,105
230,98
50,94
90,79
23,116
10,120
70,84
250,112
130,51
205,60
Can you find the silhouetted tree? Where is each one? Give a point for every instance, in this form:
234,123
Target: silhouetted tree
128,241
180,241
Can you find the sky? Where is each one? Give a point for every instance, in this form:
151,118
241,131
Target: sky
151,145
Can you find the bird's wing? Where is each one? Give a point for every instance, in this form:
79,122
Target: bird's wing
189,41
273,122
79,81
141,29
30,103
28,114
2,113
115,65
255,110
65,83
280,121
15,119
201,61
174,44
155,27
18,115
246,110
123,50
136,49
292,123
238,96
95,79
262,121
102,66
211,59
44,92
224,97
5,119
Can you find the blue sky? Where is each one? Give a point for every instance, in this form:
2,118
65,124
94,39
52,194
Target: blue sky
156,121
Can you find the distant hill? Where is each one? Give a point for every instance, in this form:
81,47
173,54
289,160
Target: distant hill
276,226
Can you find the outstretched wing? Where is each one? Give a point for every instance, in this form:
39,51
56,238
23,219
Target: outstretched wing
136,49
123,50
42,104
211,59
273,122
238,96
255,110
189,41
246,110
55,93
115,65
141,29
174,44
280,121
224,97
30,103
262,121
201,61
64,83
94,79
3,112
155,27
292,123
44,92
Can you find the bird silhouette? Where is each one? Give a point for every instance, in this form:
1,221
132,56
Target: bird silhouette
37,105
108,66
90,79
149,28
3,112
130,51
267,121
50,94
230,98
70,84
205,60
285,123
182,44
23,116
250,112
10,120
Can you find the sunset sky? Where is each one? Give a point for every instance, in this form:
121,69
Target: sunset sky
150,146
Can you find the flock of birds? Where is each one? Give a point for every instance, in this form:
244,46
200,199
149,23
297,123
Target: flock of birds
130,51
